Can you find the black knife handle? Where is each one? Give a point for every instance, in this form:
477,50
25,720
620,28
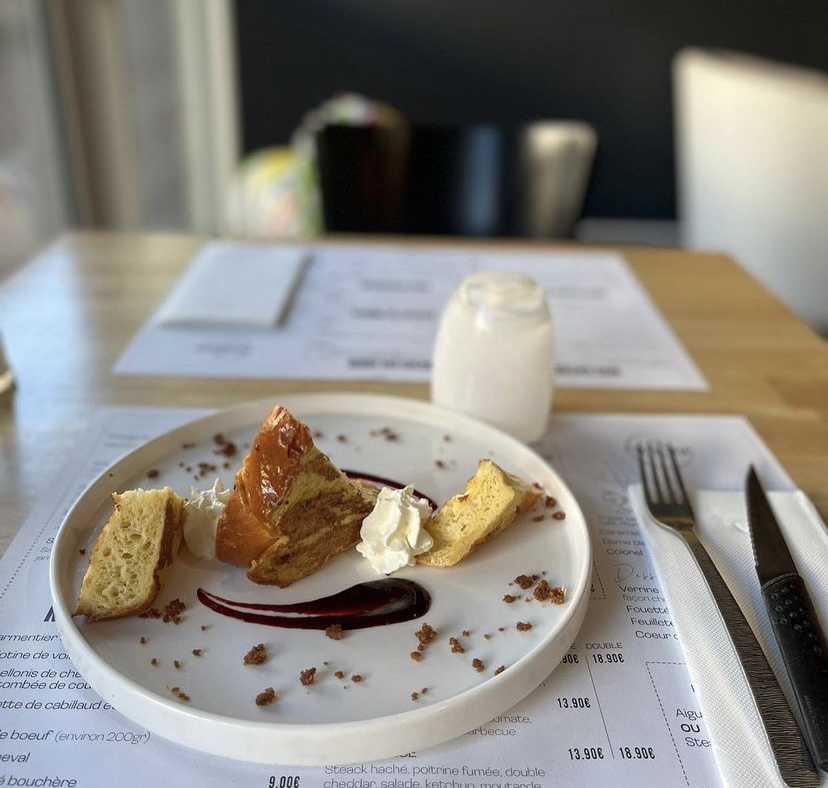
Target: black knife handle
805,654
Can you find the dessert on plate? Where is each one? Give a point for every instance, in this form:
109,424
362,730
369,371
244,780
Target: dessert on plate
132,555
292,509
491,502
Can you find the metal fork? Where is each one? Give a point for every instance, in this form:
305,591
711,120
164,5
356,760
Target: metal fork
669,505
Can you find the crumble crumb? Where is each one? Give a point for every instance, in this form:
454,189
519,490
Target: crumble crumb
225,447
417,656
466,633
456,646
177,664
356,678
205,469
415,696
550,502
144,640
523,626
340,674
335,632
154,661
499,670
197,652
153,473
426,634
180,694
478,665
387,433
544,591
510,598
266,697
307,676
256,656
559,515
524,581
173,611
538,518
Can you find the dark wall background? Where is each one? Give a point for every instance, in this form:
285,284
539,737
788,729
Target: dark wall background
511,61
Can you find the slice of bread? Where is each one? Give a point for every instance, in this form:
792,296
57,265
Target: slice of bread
132,554
292,509
490,503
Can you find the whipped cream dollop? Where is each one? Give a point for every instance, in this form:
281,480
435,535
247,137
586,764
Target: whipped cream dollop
201,513
394,533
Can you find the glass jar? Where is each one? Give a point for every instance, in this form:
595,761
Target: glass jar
494,353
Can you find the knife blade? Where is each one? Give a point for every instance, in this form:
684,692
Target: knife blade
795,624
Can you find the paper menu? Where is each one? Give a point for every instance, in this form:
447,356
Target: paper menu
619,710
371,313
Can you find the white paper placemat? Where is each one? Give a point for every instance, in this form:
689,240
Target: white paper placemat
371,313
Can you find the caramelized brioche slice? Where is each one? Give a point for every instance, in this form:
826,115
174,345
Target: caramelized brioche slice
292,509
132,554
490,503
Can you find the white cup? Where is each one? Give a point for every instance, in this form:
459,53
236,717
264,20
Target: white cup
494,353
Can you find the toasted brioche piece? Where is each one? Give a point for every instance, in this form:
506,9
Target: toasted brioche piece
490,503
132,554
292,509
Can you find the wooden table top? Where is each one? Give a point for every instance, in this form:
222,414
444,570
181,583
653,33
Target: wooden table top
67,316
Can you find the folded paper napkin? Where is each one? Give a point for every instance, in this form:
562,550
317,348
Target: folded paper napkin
235,284
741,746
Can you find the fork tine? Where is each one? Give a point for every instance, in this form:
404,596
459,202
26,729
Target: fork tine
677,475
648,469
666,486
660,475
646,477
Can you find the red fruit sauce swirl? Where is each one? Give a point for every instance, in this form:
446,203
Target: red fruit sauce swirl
371,604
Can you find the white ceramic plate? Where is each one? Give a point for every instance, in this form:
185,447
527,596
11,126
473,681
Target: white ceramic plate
334,720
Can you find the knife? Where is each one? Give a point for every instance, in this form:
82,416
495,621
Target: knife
793,618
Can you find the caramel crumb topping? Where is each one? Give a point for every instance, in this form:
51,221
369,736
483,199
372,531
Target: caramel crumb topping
544,591
456,646
426,634
256,656
266,697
